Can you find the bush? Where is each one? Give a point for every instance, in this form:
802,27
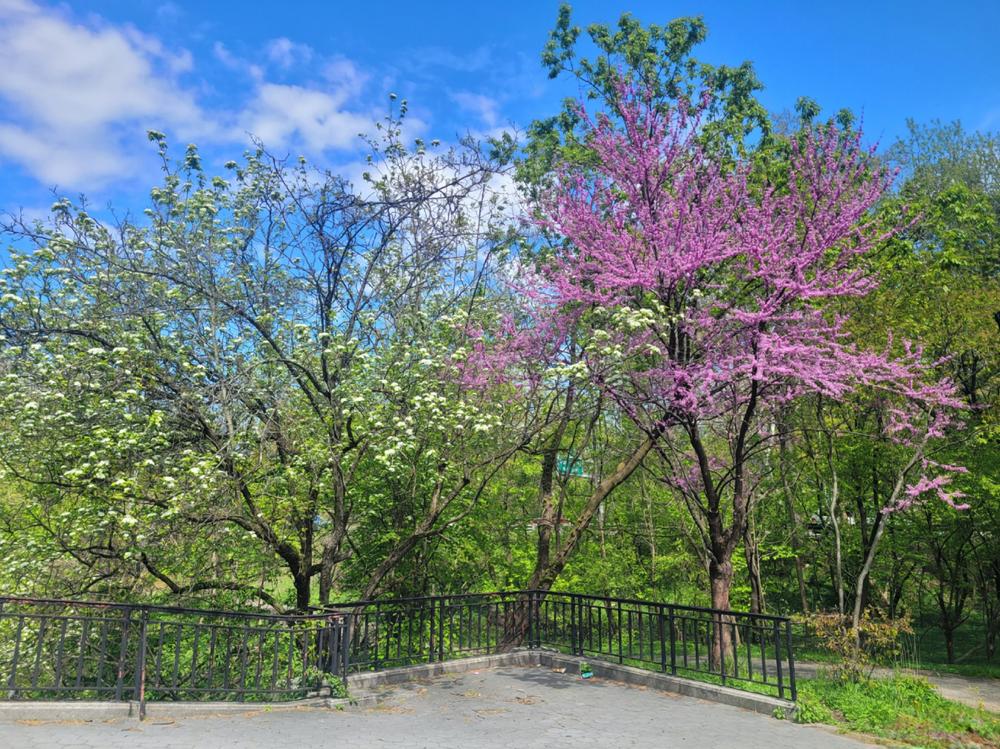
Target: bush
857,651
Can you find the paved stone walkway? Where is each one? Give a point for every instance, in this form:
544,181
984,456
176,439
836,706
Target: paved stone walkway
507,708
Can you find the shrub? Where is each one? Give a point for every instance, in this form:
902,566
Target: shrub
857,652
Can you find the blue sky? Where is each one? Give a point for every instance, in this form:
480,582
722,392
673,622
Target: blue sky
81,82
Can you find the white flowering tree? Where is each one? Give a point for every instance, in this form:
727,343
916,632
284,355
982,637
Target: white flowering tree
261,363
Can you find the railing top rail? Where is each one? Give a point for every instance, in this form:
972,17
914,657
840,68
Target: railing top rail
419,599
510,593
118,605
674,606
337,608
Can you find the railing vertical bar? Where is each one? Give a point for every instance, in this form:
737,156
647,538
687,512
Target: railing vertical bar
274,660
195,644
345,623
574,628
431,643
42,626
84,637
663,641
119,682
229,658
102,652
777,660
179,631
531,620
140,664
378,616
621,656
290,668
261,639
244,649
736,652
60,654
12,679
791,660
212,640
635,639
697,643
673,644
157,680
723,650
762,636
441,608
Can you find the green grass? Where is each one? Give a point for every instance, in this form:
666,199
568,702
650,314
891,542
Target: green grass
902,709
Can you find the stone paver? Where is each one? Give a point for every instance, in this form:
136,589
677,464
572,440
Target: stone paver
506,708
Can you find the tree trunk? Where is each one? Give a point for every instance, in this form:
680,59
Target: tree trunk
301,580
721,580
329,561
793,520
866,568
949,642
752,554
544,575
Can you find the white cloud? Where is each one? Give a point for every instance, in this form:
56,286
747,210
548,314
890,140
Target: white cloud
286,53
234,62
77,96
313,118
283,115
345,75
484,107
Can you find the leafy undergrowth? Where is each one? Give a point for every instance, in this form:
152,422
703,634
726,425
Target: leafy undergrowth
902,709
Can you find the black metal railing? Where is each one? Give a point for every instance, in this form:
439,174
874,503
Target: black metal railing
51,649
407,631
55,649
747,651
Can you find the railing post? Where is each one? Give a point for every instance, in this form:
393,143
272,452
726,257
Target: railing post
579,626
345,654
532,620
378,616
618,624
663,638
441,629
791,659
673,642
140,665
777,658
721,638
122,653
432,643
572,625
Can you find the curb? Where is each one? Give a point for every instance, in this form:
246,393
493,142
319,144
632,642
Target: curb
368,688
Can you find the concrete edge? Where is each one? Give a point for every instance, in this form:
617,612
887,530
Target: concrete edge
93,711
370,680
64,711
366,689
758,703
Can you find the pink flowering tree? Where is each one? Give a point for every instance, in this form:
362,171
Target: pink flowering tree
700,300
